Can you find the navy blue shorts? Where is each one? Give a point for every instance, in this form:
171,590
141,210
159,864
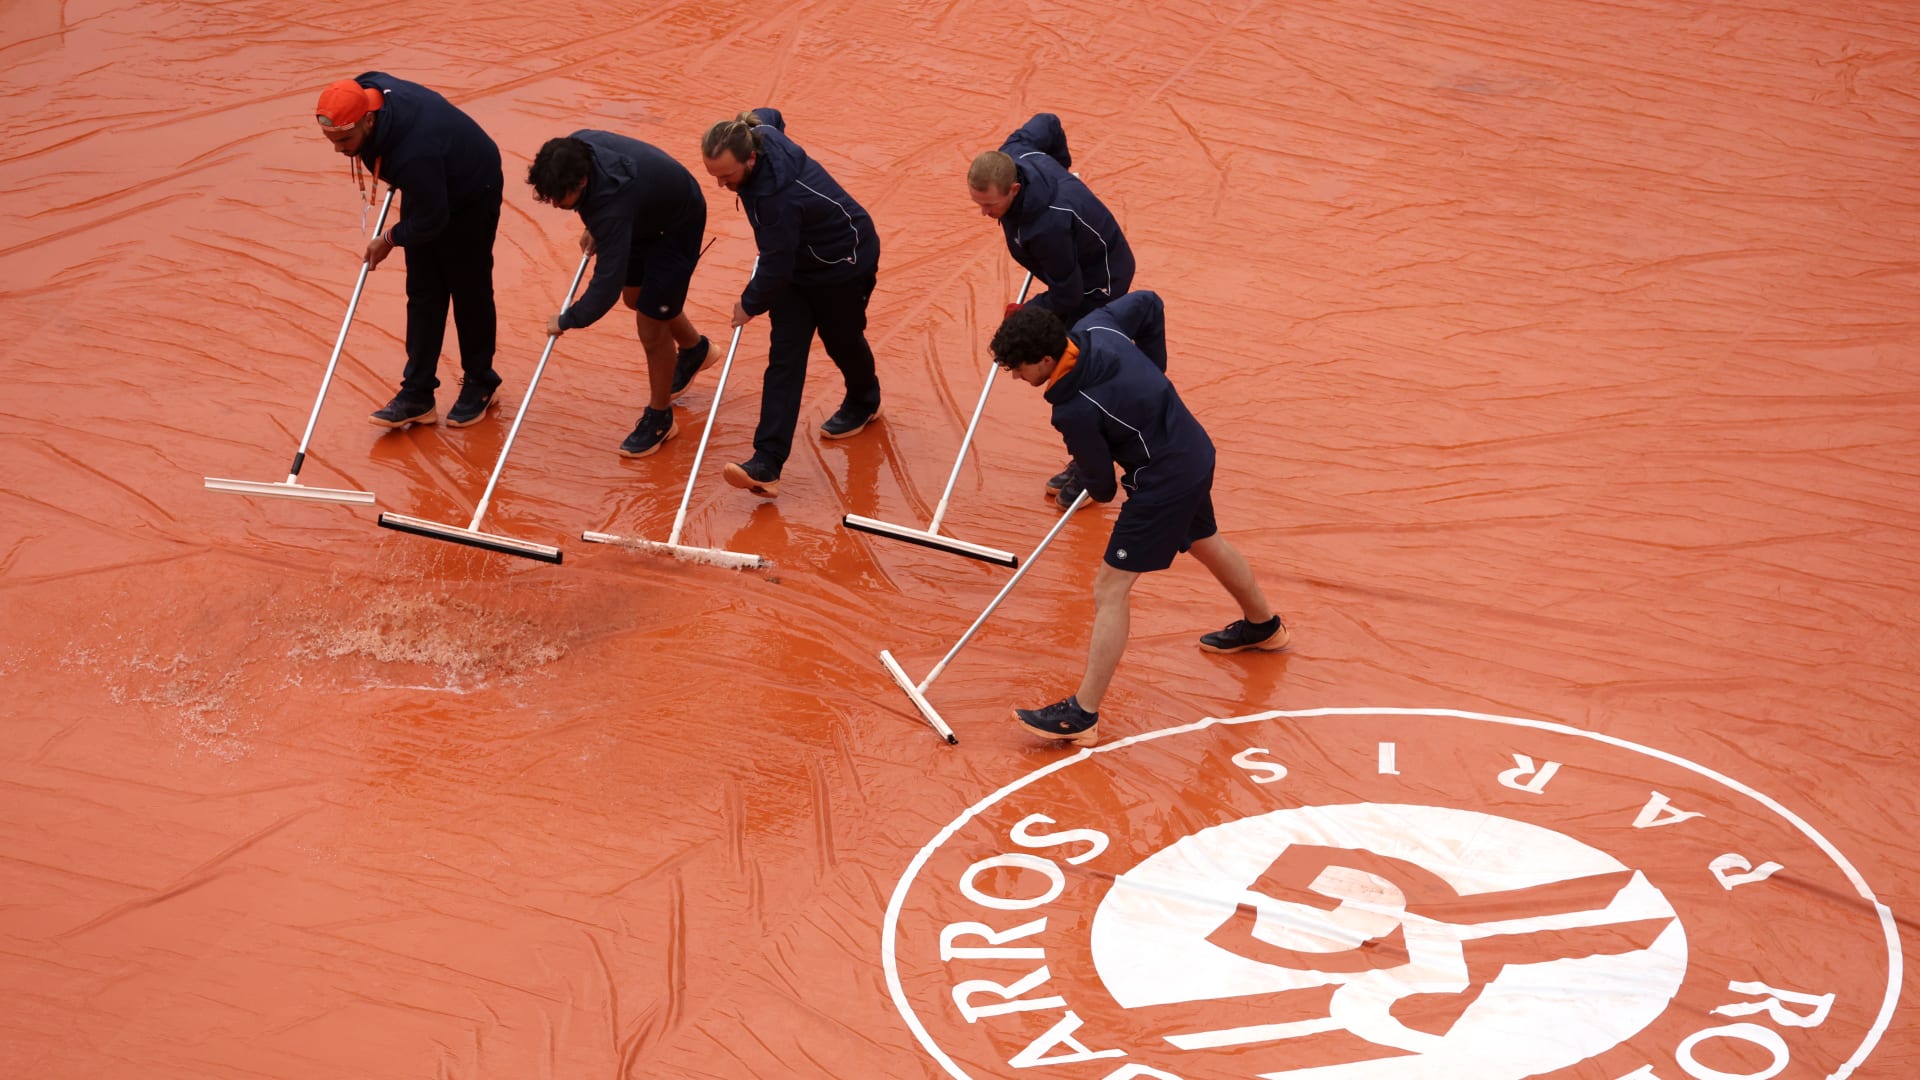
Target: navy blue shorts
661,263
1151,531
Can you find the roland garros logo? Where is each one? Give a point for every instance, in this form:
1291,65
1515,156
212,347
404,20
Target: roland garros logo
1363,894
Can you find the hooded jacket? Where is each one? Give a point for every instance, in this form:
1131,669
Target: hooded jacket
632,187
1056,228
809,230
431,151
1115,406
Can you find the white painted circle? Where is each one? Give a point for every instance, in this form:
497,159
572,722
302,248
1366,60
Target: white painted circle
1660,956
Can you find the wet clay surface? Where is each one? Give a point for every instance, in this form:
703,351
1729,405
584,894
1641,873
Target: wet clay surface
1561,362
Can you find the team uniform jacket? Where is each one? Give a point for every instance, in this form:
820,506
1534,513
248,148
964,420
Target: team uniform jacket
809,230
1115,406
1058,229
630,182
434,153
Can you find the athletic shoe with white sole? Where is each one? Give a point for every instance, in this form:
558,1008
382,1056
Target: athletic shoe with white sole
656,426
1068,492
1064,720
1062,478
404,409
473,403
754,475
1241,635
848,422
691,361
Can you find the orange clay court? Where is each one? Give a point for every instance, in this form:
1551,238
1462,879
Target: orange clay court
1561,362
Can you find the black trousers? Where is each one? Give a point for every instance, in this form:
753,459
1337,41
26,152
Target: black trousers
454,268
838,313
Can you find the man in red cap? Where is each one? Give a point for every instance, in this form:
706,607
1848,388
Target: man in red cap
448,172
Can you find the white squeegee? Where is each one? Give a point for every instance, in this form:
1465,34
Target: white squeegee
471,535
291,488
930,536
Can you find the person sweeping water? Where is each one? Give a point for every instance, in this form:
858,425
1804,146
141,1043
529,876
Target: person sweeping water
448,170
1113,406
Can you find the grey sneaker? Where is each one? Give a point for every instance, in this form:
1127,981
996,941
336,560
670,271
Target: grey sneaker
656,426
1241,635
1064,719
405,409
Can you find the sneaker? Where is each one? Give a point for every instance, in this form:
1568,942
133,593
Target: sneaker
1069,491
473,403
1064,719
404,409
755,476
692,361
1062,478
656,426
1241,635
848,422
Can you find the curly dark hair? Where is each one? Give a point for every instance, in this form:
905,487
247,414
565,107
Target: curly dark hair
1028,336
559,167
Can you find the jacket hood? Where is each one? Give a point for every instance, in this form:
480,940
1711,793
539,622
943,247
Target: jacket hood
779,162
1094,367
1038,190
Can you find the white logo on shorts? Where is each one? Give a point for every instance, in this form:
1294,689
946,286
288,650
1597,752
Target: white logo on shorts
1120,553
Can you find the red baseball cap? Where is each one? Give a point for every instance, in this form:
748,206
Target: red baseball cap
342,104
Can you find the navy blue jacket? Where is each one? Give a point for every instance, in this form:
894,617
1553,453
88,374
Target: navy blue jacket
809,230
432,152
1115,406
1058,229
633,188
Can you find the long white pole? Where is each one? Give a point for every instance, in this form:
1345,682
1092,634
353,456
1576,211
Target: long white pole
1004,590
565,303
940,511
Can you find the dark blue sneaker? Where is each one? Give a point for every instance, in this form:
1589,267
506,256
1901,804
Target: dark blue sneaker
1068,492
472,405
656,426
848,422
405,409
1241,635
1064,720
1061,479
691,361
754,475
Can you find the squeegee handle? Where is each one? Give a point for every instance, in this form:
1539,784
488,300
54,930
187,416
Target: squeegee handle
940,511
565,303
300,455
1004,590
713,410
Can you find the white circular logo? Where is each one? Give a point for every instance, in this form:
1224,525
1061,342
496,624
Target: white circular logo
1385,895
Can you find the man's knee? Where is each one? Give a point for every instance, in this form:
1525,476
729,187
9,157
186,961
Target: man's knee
652,331
1111,585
